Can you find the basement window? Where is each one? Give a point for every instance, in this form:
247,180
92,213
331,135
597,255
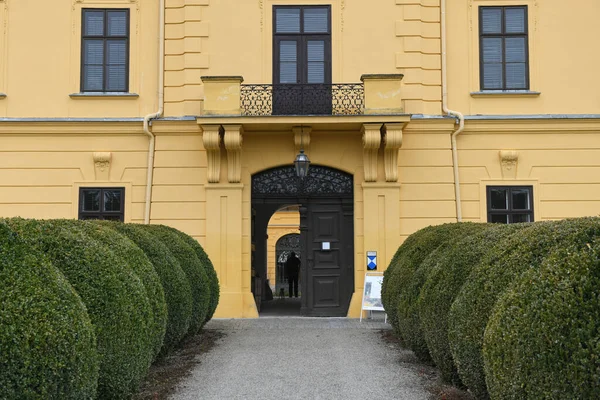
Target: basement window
102,203
510,204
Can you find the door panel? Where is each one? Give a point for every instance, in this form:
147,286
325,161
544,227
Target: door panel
329,270
326,290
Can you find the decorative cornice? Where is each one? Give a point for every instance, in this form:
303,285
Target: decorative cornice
211,138
371,142
392,138
102,161
233,139
509,160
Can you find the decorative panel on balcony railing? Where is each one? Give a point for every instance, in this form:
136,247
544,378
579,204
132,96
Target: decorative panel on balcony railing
320,99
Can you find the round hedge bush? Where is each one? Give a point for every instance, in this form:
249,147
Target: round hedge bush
115,298
470,312
409,324
407,258
543,339
193,269
208,268
47,341
178,293
442,286
131,254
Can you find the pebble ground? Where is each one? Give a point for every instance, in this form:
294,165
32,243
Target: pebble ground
284,358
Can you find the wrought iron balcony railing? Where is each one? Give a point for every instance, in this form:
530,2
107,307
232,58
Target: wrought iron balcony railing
300,99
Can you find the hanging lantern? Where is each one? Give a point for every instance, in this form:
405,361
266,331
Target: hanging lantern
302,163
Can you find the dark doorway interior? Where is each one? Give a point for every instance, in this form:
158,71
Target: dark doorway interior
326,208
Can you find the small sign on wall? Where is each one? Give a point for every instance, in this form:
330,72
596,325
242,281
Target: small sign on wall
371,260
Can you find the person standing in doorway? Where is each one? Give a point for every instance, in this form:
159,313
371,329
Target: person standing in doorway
292,272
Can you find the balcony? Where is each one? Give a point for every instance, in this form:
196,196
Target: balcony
319,99
225,97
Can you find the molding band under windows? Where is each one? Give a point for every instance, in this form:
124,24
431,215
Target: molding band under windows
104,95
506,93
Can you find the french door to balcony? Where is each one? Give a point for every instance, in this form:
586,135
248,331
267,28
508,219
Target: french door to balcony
302,60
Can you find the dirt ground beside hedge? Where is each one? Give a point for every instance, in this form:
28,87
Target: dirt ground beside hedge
438,389
166,373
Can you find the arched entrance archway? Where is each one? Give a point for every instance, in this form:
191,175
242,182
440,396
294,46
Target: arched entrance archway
326,203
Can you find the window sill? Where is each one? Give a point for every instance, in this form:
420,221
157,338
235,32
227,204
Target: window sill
2,96
505,93
104,95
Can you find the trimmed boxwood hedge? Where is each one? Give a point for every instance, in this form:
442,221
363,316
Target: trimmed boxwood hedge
504,263
176,286
210,272
407,258
442,286
115,298
543,338
127,250
407,314
193,269
47,341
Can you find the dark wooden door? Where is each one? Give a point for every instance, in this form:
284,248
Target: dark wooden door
328,270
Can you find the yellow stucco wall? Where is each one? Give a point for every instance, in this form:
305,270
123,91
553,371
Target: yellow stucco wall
41,60
562,67
44,162
209,39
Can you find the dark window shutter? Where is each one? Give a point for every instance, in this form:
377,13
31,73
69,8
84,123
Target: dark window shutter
503,48
105,50
288,61
316,20
287,20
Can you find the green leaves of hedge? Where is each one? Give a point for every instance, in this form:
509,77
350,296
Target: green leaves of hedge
193,269
494,275
543,339
413,270
176,286
513,309
47,341
443,284
87,306
115,298
211,274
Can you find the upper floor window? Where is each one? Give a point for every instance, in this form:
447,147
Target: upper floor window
102,203
302,45
105,50
510,204
504,54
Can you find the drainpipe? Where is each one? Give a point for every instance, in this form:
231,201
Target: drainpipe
456,114
147,118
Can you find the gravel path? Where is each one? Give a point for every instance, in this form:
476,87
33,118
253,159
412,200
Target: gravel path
303,358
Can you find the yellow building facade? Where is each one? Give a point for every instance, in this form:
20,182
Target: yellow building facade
191,113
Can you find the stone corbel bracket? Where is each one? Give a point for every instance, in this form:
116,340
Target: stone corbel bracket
509,160
392,139
233,139
301,137
211,138
371,142
102,162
